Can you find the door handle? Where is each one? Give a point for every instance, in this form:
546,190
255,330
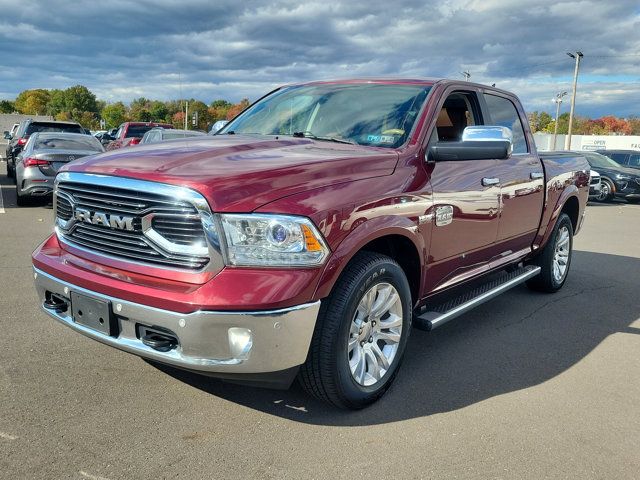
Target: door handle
536,175
488,181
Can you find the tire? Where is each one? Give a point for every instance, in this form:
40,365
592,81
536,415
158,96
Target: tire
337,343
11,173
552,256
606,191
22,200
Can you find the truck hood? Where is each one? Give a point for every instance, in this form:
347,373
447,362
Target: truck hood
239,173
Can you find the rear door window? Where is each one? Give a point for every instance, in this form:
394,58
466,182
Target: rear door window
634,160
504,113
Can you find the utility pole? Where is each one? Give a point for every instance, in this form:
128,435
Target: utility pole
186,115
578,56
558,102
466,75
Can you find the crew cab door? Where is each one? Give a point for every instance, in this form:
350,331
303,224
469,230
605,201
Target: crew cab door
465,199
521,178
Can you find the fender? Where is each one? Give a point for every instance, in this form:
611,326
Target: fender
361,235
545,231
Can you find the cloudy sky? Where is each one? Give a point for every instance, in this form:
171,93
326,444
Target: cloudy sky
211,49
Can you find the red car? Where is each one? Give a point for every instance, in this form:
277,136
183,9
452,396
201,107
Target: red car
308,236
130,133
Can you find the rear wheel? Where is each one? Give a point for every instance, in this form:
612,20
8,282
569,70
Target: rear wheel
360,335
555,258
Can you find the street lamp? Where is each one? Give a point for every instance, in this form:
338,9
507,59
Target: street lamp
578,56
558,102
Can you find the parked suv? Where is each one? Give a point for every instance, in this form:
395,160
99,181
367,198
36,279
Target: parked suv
28,127
617,181
626,158
131,133
312,233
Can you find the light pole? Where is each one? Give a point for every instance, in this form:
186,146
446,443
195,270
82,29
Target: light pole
558,102
578,56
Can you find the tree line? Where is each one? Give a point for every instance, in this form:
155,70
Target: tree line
607,125
79,104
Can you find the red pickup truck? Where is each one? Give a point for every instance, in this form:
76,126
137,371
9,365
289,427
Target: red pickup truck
311,234
130,133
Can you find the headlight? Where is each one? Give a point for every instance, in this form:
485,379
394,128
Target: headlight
272,240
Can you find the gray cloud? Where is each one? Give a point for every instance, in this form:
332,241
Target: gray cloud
231,49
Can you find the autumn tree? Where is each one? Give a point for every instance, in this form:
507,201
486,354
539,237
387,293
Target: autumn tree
32,102
237,108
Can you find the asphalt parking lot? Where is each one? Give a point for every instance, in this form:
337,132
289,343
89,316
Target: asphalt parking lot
526,386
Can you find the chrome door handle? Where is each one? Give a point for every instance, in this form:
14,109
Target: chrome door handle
488,181
536,175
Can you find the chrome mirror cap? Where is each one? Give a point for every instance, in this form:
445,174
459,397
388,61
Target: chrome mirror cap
488,133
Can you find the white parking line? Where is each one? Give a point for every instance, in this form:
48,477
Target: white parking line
91,477
1,202
6,436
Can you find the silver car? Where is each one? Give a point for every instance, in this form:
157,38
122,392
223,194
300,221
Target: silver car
42,157
161,134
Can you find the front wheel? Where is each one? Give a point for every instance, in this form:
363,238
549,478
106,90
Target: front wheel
606,192
360,335
555,259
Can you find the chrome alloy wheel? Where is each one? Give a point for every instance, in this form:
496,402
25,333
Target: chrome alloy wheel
374,335
561,254
604,192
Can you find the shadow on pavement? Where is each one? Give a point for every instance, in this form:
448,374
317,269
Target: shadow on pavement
516,341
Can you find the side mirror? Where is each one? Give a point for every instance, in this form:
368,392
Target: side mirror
478,143
218,126
7,135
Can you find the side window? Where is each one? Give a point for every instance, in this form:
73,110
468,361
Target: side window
621,158
503,112
634,160
458,111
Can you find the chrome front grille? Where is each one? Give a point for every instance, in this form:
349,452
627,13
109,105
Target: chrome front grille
140,221
595,180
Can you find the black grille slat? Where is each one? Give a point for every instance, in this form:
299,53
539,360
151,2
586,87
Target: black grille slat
168,221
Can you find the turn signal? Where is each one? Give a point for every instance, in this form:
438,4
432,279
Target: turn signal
312,243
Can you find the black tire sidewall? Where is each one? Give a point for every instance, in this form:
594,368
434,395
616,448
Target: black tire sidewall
381,272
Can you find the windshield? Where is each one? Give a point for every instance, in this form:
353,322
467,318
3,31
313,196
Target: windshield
53,127
597,160
380,115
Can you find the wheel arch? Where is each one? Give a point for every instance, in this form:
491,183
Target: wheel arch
399,242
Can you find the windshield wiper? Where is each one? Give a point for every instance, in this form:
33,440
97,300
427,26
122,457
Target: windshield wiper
313,136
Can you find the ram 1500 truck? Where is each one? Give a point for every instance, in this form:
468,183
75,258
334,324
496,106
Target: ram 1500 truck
309,235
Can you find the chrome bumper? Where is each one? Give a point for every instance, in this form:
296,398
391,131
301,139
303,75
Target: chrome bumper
210,342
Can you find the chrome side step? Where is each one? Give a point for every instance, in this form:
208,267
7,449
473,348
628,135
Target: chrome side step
440,314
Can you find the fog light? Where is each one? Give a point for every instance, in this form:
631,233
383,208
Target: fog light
240,342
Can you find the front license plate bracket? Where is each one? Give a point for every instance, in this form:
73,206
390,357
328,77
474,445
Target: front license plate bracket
93,313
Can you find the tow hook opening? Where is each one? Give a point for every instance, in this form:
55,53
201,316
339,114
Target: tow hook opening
157,338
55,302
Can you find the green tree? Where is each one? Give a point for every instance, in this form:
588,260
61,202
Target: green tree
80,98
32,102
57,102
158,111
114,114
7,106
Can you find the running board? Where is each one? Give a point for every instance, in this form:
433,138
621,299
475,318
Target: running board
440,314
